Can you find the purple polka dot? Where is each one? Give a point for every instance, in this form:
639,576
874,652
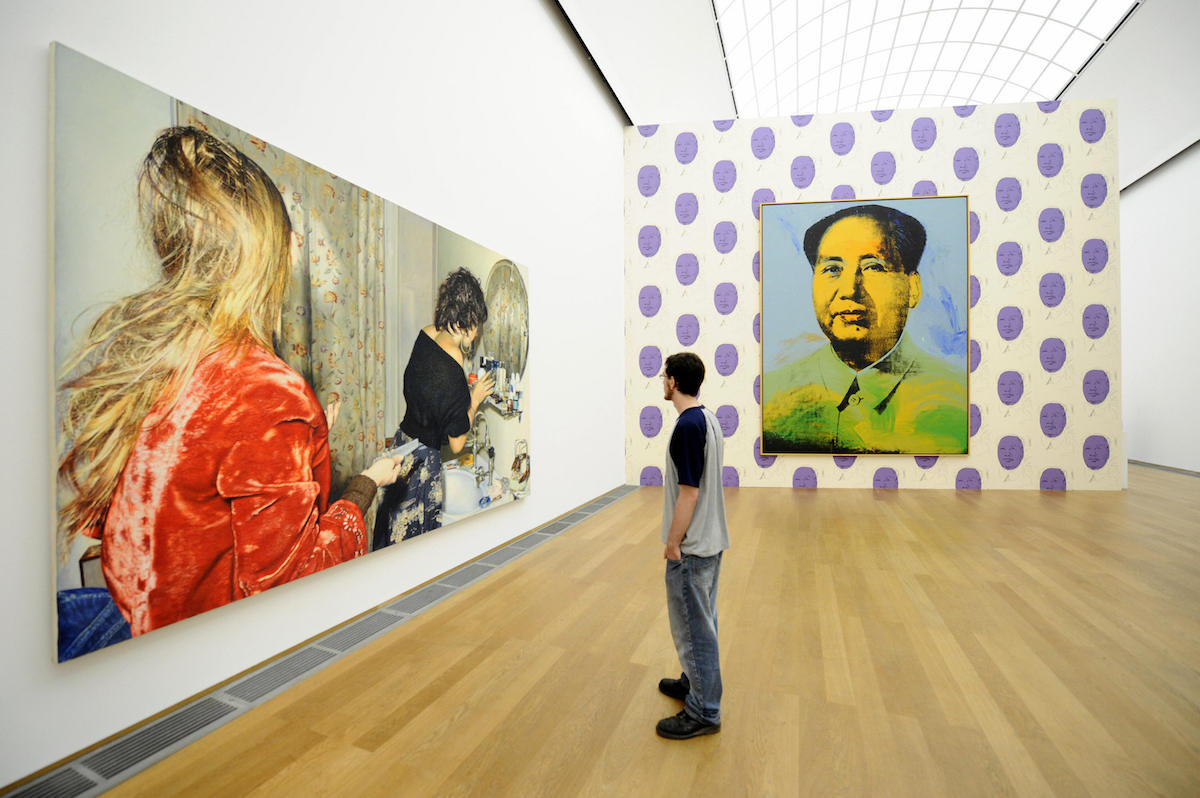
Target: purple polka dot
686,147
650,421
724,237
648,180
801,120
722,124
1052,288
842,192
1048,106
1053,479
1095,255
973,225
650,361
1095,386
762,142
1010,452
924,188
651,476
844,461
760,196
757,327
973,290
763,460
1095,452
649,300
1095,321
1050,159
729,477
974,356
1008,193
925,461
1009,258
725,298
1008,129
967,479
975,418
726,359
883,167
841,138
687,267
964,110
966,162
924,133
647,130
1051,224
1010,387
1052,419
754,267
727,417
1053,354
1092,125
804,477
881,116
885,479
1009,322
649,240
803,171
724,175
1093,189
687,329
757,390
686,208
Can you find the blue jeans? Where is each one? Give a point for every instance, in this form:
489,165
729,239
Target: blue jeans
692,608
88,620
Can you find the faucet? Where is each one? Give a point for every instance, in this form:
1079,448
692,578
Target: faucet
481,441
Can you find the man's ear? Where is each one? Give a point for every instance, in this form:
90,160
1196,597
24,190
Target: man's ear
914,289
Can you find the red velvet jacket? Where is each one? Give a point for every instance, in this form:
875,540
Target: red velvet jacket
226,494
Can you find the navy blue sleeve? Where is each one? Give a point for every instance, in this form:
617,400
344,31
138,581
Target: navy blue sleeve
687,446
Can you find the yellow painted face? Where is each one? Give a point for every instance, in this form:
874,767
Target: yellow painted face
861,298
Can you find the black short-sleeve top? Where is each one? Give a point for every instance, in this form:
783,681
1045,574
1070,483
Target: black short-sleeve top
436,392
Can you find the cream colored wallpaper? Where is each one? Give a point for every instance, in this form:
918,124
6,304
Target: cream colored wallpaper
1044,316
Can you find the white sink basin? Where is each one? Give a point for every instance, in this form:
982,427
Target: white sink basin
461,494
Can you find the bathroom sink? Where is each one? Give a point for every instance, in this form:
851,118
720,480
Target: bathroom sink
461,494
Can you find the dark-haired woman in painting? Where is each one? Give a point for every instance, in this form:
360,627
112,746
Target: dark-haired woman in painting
196,455
440,408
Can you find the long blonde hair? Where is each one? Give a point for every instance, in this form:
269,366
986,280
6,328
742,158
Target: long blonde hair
223,237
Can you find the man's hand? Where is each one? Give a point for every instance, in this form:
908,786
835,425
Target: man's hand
672,552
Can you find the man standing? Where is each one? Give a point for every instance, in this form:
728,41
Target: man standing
695,534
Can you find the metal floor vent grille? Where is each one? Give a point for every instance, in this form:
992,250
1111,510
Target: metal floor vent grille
140,748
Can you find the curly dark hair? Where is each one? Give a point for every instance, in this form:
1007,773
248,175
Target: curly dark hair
460,302
904,236
688,370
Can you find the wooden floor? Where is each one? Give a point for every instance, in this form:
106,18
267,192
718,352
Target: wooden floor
874,643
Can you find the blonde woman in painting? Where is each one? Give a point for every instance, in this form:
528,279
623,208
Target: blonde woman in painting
196,455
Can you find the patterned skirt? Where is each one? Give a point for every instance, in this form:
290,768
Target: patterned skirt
412,504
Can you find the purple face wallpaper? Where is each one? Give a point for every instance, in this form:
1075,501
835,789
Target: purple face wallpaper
722,125
1095,321
1008,193
724,175
844,461
883,167
803,171
650,361
966,162
687,268
1093,189
976,418
924,188
841,138
802,120
725,298
1048,106
757,390
729,477
686,208
967,478
756,266
724,237
925,461
649,240
1050,159
924,133
1010,322
881,116
727,416
649,300
1052,354
756,325
1092,125
648,180
973,226
1009,258
1053,479
760,196
1010,387
1053,419
974,355
687,329
650,421
1010,452
842,192
1094,255
804,477
964,111
726,359
1008,129
1052,288
651,476
973,290
885,479
1095,452
647,130
762,142
686,147
1095,386
1051,224
763,460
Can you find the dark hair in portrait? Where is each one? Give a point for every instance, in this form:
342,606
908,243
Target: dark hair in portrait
460,303
904,235
687,370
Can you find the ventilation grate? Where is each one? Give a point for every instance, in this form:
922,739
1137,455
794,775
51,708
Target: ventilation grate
62,784
529,541
464,576
421,599
501,556
345,639
574,518
279,674
150,740
554,529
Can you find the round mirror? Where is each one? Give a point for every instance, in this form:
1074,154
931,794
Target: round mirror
505,334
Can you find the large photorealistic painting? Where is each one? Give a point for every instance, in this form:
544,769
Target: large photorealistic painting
262,370
864,327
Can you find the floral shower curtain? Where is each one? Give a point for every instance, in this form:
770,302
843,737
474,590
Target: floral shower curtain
333,318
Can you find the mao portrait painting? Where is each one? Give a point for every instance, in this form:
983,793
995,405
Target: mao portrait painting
864,327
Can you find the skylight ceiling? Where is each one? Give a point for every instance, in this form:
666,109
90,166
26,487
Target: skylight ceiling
793,56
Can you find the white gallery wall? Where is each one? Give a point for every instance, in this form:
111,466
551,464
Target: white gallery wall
485,119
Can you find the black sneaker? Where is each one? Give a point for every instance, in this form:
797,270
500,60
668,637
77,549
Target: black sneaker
675,688
683,726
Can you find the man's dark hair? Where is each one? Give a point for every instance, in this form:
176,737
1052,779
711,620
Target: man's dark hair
460,302
687,370
904,236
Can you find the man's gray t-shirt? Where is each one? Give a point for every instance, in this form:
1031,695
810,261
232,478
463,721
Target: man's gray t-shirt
694,457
